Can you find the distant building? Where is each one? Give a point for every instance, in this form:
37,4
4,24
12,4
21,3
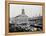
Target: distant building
21,18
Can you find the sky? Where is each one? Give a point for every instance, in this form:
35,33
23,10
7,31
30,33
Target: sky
30,10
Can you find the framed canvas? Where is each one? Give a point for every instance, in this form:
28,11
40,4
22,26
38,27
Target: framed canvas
24,17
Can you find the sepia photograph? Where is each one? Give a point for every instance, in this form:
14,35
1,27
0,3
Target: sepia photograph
25,18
